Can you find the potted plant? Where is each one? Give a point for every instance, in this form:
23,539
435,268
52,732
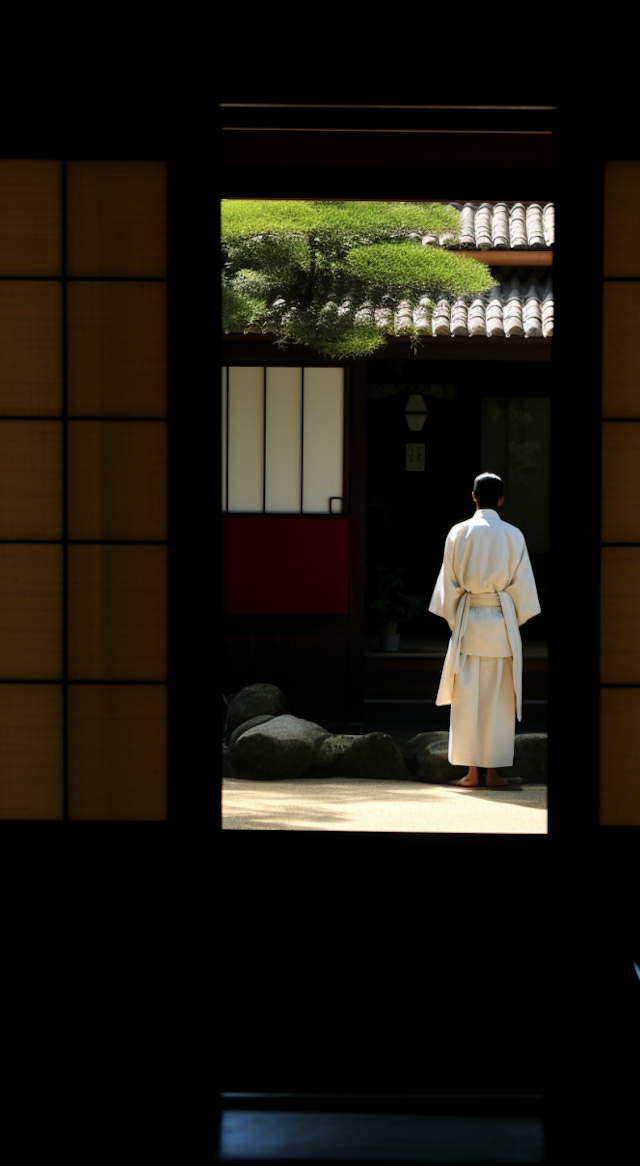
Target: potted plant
393,601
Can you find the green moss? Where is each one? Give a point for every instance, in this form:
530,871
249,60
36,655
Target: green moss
331,752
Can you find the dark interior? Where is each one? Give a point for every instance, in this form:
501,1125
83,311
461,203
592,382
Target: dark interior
409,514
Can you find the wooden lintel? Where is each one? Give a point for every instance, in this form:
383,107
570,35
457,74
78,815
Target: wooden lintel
509,258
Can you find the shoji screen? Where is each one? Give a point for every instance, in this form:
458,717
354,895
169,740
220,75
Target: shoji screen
282,440
620,533
83,481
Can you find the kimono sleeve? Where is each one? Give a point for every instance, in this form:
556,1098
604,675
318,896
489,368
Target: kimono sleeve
522,590
447,591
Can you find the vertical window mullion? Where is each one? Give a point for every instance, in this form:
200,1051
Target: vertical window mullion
264,440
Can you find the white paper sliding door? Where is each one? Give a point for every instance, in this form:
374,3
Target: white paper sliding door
322,439
245,452
283,440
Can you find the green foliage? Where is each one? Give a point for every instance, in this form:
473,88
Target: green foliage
345,222
314,273
392,600
410,268
240,309
333,339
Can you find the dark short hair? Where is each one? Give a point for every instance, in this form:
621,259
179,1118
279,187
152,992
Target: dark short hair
487,489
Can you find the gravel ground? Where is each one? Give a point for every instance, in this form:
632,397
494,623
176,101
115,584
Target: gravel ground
398,806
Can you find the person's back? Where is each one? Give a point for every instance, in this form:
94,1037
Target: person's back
485,551
485,591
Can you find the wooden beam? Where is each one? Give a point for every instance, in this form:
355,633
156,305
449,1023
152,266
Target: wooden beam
261,349
509,258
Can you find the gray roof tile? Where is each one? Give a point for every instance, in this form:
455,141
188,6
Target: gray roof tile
515,226
521,305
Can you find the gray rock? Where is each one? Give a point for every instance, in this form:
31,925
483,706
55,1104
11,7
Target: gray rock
226,771
250,724
283,747
255,701
372,755
530,759
430,751
225,710
331,754
411,749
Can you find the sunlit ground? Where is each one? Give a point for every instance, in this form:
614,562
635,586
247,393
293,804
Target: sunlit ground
359,804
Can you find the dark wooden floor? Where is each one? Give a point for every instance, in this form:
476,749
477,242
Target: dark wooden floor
381,1129
450,997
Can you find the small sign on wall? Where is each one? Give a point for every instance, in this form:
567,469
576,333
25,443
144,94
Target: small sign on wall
415,457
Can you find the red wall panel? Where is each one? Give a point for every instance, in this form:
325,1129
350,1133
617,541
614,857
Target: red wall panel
277,565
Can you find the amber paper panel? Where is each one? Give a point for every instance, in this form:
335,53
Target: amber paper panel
117,218
30,479
621,350
117,479
621,482
117,612
30,348
31,783
619,751
117,349
30,217
117,752
620,616
30,612
621,220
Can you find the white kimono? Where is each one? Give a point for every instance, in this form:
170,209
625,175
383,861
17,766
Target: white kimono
485,591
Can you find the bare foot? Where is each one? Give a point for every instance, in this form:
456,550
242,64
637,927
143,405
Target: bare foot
494,779
470,779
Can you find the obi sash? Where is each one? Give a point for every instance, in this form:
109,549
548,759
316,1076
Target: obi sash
452,659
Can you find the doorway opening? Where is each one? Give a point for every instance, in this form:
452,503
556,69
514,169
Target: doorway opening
484,415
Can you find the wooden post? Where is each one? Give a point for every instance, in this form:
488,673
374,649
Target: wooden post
357,466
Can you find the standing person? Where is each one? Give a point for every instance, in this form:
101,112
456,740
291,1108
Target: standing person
485,591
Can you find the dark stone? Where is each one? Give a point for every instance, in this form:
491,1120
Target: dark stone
373,755
281,748
530,759
411,749
226,771
430,752
225,710
250,724
255,701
